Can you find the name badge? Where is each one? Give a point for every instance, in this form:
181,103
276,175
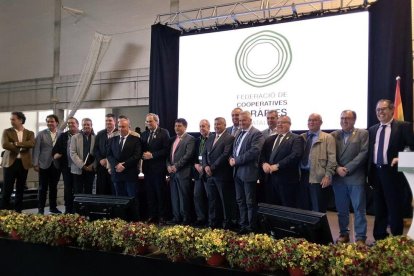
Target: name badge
200,158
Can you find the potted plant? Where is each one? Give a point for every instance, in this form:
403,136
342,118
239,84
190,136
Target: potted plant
253,253
213,245
136,237
99,234
178,242
350,259
299,256
394,256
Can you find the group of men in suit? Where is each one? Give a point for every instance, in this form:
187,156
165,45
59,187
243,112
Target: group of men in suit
293,169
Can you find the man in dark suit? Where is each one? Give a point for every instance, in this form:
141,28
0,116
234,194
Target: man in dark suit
44,164
349,181
124,152
245,161
280,158
61,154
220,186
104,185
155,145
17,159
386,139
200,195
235,128
179,166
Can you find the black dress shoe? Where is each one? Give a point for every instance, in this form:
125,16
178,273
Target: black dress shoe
55,211
41,211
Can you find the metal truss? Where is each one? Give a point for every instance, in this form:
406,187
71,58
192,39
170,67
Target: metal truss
241,12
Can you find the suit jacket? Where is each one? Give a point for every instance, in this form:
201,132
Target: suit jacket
228,129
101,144
353,155
400,137
159,147
247,162
11,151
217,156
322,157
76,153
42,152
61,147
131,153
197,154
288,155
183,156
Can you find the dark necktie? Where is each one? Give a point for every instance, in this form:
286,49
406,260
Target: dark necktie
151,135
380,151
121,143
305,158
238,141
275,146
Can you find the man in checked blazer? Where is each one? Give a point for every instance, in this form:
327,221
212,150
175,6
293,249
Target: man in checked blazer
280,159
44,164
17,159
179,166
349,181
245,161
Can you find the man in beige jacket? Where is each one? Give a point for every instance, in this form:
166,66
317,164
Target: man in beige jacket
17,159
317,166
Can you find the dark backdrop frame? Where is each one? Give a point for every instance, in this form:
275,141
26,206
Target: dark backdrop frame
390,55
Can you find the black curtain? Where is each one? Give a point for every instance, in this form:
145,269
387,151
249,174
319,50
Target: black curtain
163,87
390,55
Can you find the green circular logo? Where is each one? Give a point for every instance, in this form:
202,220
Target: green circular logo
263,58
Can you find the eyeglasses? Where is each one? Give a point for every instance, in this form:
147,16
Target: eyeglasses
381,109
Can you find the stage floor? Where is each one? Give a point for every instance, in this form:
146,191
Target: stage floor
332,218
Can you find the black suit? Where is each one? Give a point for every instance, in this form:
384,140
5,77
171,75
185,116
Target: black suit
282,185
127,180
220,185
155,170
104,185
388,184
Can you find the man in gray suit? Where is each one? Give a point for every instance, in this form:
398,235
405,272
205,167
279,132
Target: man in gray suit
83,170
245,161
349,181
235,128
44,164
179,166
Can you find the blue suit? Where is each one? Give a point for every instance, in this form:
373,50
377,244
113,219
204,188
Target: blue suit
246,174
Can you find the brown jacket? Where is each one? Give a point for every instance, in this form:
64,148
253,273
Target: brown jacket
11,151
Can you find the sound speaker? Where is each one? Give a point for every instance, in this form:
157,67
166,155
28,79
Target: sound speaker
103,206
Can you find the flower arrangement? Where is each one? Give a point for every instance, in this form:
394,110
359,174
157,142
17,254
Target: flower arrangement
62,229
99,234
349,259
178,241
14,225
294,253
214,243
394,256
135,237
253,253
3,216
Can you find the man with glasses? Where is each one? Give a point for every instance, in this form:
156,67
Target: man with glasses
386,139
318,165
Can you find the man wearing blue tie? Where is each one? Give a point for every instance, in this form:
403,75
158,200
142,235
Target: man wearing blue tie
386,139
124,152
245,162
